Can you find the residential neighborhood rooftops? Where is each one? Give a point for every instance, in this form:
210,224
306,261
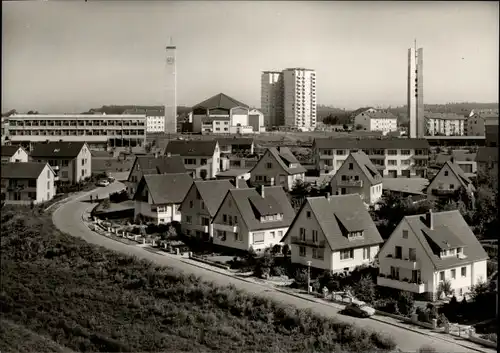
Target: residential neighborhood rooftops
457,156
367,167
235,141
221,101
340,213
213,192
195,148
57,149
456,225
29,170
160,164
273,195
374,143
8,151
287,160
413,186
487,154
234,172
166,188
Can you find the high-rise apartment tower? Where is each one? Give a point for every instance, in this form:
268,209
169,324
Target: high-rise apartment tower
415,102
289,98
271,99
171,91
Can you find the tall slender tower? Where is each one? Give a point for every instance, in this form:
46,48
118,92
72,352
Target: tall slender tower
271,98
415,104
171,91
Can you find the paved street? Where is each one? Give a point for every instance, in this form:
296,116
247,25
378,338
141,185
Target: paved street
68,218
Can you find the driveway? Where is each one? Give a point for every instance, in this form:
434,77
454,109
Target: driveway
68,218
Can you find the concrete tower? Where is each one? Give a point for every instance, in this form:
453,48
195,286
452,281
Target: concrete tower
415,102
271,98
299,95
171,91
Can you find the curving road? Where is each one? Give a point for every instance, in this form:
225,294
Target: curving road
68,218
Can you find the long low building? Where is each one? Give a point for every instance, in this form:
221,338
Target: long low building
393,157
97,130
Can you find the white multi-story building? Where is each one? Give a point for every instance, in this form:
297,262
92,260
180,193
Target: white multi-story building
393,157
95,129
444,124
155,118
288,98
299,89
271,99
222,114
377,121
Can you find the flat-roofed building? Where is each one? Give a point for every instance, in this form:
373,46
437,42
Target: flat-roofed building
99,131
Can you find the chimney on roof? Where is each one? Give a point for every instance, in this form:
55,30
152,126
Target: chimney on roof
430,220
262,191
240,183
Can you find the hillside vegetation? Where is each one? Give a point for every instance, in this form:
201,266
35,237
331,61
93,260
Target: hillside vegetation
87,298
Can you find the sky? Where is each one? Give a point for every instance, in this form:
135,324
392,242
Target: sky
70,56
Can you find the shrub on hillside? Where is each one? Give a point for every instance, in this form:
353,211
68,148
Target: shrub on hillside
119,196
364,289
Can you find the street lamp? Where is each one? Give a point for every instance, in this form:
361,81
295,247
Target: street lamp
308,277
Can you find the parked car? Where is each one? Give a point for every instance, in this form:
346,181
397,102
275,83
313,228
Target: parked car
103,182
359,308
111,179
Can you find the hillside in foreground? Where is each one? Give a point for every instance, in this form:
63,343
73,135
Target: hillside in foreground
87,298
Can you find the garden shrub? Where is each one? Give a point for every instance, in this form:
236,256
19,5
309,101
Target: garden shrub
278,271
442,320
490,337
406,303
364,289
301,278
424,316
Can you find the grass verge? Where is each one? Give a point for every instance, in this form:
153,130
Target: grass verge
87,298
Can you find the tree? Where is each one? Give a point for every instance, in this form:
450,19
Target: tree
406,303
364,289
444,287
359,127
203,174
345,127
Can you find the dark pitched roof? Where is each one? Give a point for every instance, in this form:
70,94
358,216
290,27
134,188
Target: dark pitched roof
341,213
235,141
443,238
221,101
461,234
8,151
487,154
444,116
286,158
191,148
29,170
367,167
274,196
57,149
159,165
166,188
265,206
384,143
360,110
212,193
381,115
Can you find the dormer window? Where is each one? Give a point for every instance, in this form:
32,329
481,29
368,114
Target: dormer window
272,218
355,235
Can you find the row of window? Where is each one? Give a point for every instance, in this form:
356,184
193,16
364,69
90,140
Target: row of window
75,123
347,254
390,152
75,132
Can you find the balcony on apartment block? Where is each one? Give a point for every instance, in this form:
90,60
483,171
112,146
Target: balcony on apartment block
400,284
226,227
406,263
308,242
348,183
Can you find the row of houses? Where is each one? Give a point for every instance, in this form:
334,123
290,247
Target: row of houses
333,233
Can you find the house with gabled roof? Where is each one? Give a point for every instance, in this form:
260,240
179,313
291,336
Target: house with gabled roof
71,161
149,165
248,218
158,197
450,180
277,166
201,157
334,233
13,154
200,206
23,183
358,175
427,249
